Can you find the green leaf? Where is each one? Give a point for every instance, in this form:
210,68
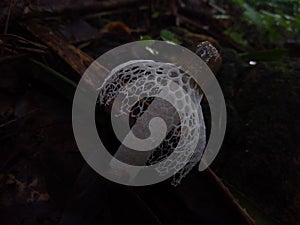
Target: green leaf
167,35
240,2
236,36
155,15
145,38
221,17
56,80
252,15
216,7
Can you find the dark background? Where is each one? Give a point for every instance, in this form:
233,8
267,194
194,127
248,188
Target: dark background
43,177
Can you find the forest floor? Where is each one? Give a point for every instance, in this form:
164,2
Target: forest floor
42,173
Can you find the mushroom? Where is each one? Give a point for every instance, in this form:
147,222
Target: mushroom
151,89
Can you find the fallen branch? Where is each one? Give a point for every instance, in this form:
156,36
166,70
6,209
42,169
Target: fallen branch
74,57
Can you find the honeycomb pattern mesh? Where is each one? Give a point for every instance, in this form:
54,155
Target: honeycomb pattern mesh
142,79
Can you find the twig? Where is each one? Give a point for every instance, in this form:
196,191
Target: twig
217,36
7,22
75,9
34,50
4,59
8,16
115,12
55,73
77,59
229,195
7,37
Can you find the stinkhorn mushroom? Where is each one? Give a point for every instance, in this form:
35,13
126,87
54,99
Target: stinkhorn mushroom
140,82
